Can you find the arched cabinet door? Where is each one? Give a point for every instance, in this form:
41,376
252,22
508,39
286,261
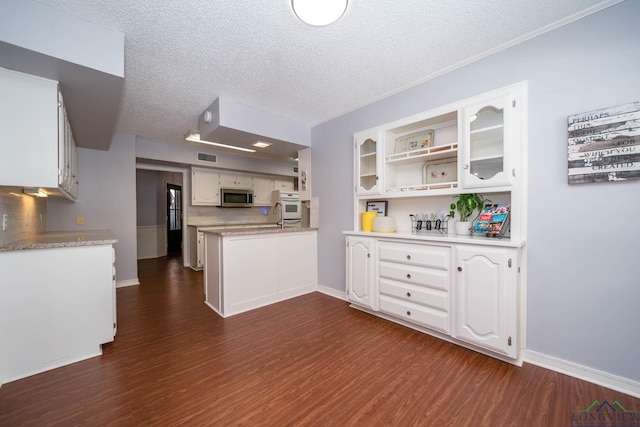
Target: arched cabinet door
492,139
487,298
361,272
368,164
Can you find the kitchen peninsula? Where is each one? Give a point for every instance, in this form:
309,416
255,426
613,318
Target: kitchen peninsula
250,268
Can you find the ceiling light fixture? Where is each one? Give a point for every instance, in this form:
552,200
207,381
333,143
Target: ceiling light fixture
195,137
319,12
261,144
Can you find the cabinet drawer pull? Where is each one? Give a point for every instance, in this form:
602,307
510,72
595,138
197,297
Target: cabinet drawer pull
408,256
408,276
408,313
459,268
409,294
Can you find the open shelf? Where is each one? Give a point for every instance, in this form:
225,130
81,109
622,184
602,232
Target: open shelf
423,155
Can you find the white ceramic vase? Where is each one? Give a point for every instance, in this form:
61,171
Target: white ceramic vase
462,228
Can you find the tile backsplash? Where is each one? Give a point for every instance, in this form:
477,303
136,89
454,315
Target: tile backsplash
233,215
25,215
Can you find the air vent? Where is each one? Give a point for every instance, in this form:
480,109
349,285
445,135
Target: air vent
207,157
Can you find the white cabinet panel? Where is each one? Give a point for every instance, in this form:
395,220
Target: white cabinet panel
262,189
368,162
284,184
361,278
205,187
33,122
487,290
58,313
244,272
236,181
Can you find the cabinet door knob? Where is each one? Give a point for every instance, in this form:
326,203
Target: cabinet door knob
368,255
459,268
408,256
466,167
409,294
408,313
408,276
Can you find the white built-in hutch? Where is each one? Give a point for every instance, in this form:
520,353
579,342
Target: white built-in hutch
469,290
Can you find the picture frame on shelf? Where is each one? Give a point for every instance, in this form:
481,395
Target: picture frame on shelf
377,206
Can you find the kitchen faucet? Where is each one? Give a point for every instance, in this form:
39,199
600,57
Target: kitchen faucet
281,222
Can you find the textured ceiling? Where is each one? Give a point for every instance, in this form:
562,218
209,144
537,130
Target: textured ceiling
181,55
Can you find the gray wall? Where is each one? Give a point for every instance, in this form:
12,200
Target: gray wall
151,194
583,285
106,200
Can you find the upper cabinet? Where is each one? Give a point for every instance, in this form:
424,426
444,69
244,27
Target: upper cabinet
38,148
468,145
491,129
236,181
205,187
368,155
284,184
262,190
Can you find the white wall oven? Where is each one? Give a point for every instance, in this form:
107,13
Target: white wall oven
287,206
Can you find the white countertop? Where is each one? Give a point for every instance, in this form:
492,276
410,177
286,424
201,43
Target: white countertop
438,237
62,239
226,231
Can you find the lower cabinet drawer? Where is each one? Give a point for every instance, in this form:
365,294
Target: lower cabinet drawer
421,276
410,253
416,294
425,316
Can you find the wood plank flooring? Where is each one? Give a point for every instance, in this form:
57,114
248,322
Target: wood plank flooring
309,361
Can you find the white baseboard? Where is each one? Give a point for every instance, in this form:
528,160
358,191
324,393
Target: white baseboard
125,283
332,292
614,382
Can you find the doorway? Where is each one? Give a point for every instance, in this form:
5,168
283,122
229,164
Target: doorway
174,218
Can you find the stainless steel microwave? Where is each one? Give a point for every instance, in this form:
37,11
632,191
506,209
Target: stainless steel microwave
236,198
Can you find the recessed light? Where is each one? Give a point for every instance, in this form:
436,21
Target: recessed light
195,137
261,144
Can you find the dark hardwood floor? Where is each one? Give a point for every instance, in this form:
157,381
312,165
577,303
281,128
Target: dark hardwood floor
309,361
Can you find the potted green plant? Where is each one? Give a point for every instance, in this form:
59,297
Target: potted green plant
466,205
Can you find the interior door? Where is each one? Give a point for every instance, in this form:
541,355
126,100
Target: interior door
174,218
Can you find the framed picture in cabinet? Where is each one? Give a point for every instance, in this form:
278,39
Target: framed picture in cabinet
379,207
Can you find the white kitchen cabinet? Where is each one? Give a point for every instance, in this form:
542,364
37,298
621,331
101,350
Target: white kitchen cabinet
57,306
478,145
205,187
487,298
36,131
262,189
415,283
368,162
284,184
492,134
236,181
361,277
196,248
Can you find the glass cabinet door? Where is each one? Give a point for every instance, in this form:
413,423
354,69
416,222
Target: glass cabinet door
489,141
367,165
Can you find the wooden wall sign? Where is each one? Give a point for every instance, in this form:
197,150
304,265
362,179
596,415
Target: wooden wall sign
604,145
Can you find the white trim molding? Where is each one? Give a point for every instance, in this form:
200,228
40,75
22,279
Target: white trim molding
614,382
125,283
332,292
